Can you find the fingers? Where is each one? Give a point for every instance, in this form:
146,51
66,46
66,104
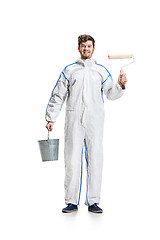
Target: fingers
122,79
49,126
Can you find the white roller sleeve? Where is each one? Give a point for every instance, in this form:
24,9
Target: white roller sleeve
120,56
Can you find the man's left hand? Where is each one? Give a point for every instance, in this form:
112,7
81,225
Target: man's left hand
122,79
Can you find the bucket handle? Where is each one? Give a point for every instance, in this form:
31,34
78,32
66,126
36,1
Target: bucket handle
48,136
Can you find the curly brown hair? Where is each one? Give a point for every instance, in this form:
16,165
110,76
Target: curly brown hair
85,38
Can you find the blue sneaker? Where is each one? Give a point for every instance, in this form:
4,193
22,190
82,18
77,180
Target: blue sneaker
95,209
70,208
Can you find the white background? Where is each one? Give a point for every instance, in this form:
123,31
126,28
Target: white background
38,39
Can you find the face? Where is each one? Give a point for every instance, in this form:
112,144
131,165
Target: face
86,49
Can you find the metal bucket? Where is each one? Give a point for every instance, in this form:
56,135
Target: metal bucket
49,149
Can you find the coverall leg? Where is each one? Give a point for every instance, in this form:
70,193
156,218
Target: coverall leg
73,154
78,137
94,159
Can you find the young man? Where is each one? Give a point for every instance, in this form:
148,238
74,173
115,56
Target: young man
82,85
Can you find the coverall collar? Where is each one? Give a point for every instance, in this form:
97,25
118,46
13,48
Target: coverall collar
86,62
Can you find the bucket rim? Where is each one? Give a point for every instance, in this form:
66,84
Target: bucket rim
47,140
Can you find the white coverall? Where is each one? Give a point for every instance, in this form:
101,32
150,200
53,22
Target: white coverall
83,84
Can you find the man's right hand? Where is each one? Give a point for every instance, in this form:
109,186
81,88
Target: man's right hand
49,126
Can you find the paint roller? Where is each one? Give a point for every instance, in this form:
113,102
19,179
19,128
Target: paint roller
122,56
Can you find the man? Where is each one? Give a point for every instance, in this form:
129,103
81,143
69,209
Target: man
82,85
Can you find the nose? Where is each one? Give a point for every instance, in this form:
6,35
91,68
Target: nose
86,48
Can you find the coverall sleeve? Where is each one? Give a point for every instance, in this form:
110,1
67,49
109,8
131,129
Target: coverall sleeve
57,99
111,90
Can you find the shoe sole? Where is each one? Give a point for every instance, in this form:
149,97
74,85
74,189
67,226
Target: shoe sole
96,211
65,211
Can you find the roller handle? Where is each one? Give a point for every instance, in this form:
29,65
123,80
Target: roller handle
123,87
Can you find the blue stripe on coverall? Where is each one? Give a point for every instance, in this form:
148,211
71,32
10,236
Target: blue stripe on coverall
109,75
86,156
81,176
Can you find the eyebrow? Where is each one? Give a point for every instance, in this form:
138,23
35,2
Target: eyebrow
85,45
